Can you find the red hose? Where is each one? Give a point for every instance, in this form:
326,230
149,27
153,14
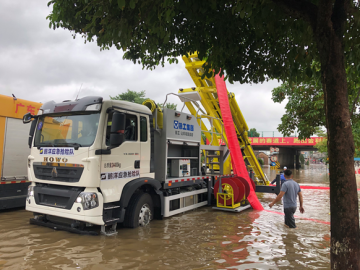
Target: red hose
239,167
314,187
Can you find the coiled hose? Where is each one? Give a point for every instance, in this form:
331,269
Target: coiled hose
153,106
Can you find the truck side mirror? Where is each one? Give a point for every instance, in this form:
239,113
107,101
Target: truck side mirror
31,132
27,118
117,132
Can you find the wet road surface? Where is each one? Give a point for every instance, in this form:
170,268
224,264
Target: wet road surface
199,239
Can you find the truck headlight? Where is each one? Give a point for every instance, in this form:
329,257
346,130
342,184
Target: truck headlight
88,200
30,194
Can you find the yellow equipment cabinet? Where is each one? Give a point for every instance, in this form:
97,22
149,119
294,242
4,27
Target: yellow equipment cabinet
14,150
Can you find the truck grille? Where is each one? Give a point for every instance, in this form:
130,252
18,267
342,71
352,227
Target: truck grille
53,172
56,196
56,201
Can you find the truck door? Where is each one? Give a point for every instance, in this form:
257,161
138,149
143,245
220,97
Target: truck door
145,141
122,164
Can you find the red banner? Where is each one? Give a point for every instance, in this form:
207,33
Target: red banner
282,141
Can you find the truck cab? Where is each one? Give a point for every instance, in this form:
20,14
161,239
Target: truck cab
83,153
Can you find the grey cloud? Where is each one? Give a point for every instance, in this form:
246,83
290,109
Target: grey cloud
24,24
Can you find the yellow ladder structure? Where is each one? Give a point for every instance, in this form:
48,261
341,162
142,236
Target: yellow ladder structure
207,90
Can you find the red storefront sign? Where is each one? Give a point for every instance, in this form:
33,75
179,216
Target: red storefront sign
271,141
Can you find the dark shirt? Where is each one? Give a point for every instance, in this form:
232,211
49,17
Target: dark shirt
282,179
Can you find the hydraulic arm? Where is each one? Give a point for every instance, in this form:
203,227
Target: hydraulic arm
209,100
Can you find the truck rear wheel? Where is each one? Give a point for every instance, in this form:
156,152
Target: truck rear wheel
140,211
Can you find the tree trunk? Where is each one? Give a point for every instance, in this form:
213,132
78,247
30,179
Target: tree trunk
345,247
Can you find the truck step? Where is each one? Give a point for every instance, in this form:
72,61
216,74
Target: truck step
111,206
111,220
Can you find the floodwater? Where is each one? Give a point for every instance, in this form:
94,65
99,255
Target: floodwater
199,239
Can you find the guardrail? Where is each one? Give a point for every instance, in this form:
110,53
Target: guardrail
272,133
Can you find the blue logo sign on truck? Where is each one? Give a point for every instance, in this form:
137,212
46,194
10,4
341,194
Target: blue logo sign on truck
183,126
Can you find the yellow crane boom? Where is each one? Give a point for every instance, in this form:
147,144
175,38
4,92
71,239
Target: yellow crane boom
206,88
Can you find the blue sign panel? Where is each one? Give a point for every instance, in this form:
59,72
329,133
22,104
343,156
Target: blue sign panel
183,126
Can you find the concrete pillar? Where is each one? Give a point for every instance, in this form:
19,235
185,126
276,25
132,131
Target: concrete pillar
286,157
297,161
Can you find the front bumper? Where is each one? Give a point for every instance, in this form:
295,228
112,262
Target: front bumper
62,227
74,212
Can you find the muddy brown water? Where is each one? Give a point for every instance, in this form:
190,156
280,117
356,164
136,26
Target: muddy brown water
199,239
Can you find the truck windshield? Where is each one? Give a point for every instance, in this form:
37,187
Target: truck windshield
77,130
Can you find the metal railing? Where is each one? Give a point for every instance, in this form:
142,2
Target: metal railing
269,134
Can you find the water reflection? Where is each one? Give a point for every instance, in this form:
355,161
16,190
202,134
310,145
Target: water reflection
201,239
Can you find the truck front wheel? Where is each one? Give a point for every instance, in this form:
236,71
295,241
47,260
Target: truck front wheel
140,211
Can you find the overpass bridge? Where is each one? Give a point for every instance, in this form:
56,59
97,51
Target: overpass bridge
289,148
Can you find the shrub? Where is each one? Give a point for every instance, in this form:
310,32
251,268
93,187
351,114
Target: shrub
302,159
261,161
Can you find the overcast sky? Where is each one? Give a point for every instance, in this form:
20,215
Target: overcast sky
41,64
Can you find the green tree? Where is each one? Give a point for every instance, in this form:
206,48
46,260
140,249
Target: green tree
322,146
356,133
305,107
203,137
252,41
131,96
172,106
302,159
261,161
320,132
139,97
202,158
253,133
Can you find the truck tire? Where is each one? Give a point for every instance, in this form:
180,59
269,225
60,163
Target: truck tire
140,211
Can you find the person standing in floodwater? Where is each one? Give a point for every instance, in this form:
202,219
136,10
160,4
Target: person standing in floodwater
282,177
290,190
